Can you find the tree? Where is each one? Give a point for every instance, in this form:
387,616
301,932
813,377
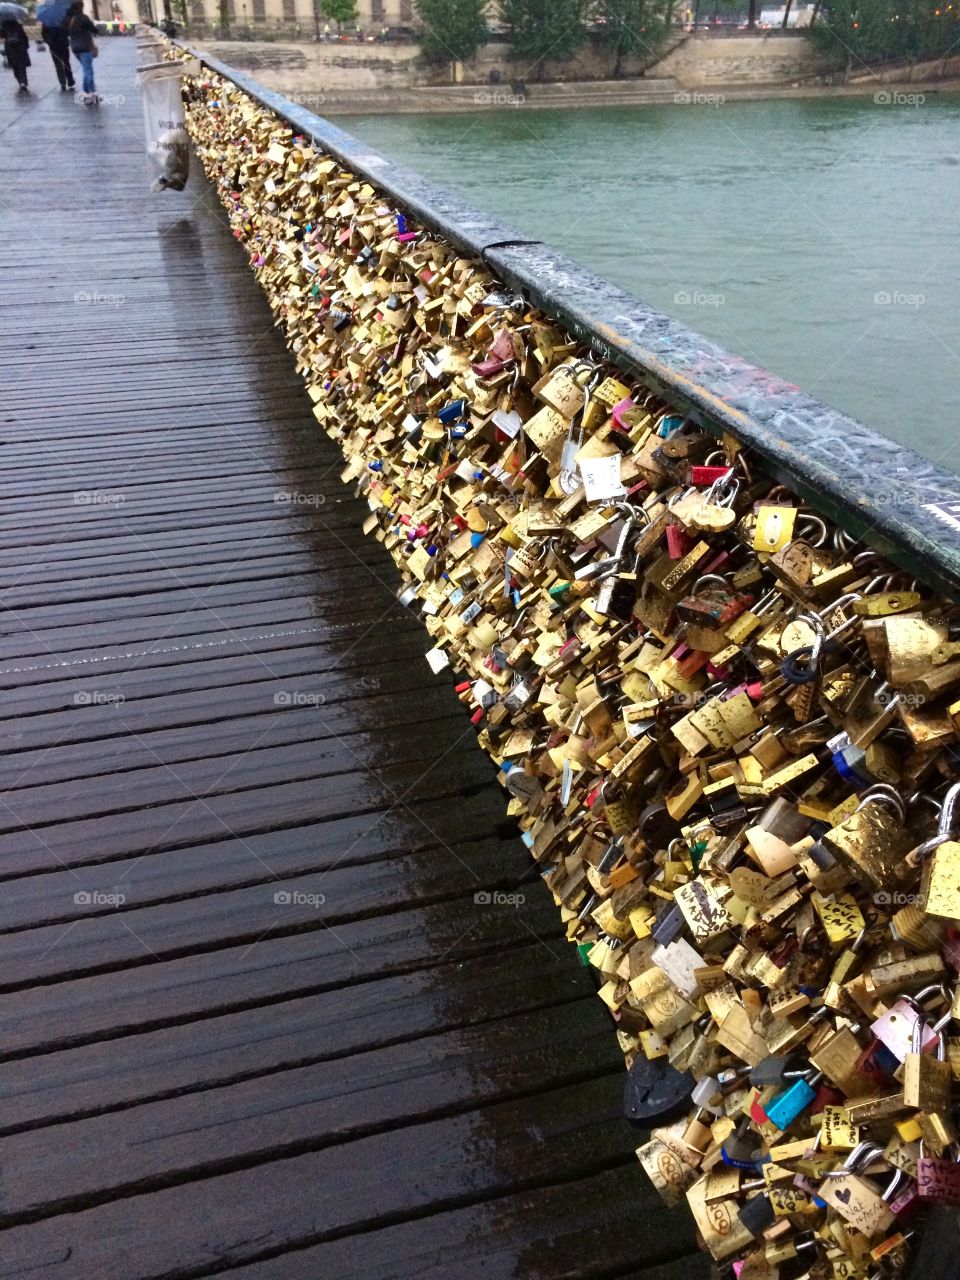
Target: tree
859,31
869,31
752,14
633,27
453,30
786,14
224,7
542,29
339,11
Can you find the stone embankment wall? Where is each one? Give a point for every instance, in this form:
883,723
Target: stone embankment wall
768,58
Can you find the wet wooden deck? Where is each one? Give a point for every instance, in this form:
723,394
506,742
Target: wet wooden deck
253,1020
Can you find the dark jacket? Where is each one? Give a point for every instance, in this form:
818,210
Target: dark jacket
13,35
82,31
16,45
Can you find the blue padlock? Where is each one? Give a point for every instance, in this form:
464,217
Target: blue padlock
452,412
668,425
848,760
786,1106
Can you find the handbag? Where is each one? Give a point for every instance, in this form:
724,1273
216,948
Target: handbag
93,48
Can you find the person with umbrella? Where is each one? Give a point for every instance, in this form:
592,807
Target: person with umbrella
81,32
53,31
16,46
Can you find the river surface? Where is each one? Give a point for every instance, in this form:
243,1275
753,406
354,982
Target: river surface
817,237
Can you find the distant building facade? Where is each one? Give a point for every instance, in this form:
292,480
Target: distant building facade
800,15
286,15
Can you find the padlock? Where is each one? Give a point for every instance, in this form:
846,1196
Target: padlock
715,512
742,1149
927,1080
938,1179
757,1214
787,1106
940,860
698,1135
856,1200
751,620
902,1194
776,1070
873,841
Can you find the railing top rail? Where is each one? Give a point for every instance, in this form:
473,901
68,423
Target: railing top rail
903,504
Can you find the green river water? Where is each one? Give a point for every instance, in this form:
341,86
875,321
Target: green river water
817,237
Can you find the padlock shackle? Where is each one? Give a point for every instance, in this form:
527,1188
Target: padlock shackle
859,1158
924,849
708,579
947,825
882,793
806,519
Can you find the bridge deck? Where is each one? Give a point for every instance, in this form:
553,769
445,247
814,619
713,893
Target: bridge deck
205,1068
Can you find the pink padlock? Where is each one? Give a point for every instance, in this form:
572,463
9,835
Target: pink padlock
715,563
906,1200
619,409
678,543
894,1029
938,1179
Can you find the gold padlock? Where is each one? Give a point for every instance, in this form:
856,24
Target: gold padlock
927,1080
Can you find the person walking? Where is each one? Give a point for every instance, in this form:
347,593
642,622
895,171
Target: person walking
81,32
16,50
53,31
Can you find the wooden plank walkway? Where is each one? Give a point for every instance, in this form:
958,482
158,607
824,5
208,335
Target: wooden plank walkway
254,1022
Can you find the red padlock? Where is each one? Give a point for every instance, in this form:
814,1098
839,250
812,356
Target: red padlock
707,475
